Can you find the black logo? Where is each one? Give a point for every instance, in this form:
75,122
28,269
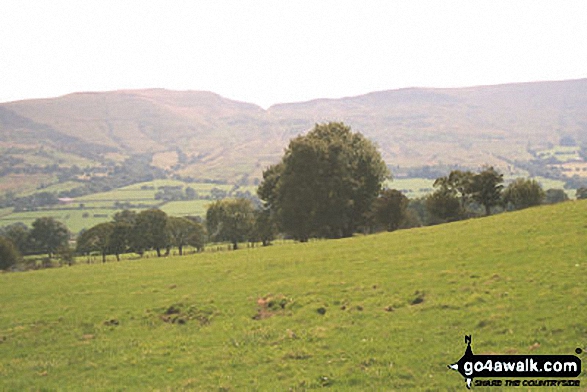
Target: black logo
536,366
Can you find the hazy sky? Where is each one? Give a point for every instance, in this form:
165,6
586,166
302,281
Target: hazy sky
268,52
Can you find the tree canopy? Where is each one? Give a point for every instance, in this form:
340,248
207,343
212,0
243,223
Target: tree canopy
230,220
9,255
325,183
523,193
48,235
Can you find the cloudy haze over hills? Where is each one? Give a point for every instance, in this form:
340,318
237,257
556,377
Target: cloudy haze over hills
269,52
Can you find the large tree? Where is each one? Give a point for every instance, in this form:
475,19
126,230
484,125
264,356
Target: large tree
325,183
230,220
48,235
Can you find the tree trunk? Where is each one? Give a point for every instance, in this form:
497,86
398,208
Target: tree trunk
180,250
158,252
117,257
103,257
235,245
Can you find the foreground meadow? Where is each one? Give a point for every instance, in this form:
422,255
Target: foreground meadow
381,312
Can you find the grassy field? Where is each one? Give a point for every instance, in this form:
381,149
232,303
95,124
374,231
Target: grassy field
382,312
87,211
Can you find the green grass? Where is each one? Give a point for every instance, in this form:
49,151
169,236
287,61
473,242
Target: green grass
412,187
514,281
185,208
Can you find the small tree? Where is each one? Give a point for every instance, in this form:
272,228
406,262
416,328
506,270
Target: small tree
444,205
230,220
150,231
184,232
486,188
523,193
96,239
120,238
459,182
553,196
390,209
9,255
265,228
48,235
19,234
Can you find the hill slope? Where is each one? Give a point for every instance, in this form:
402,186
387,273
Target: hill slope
205,135
383,312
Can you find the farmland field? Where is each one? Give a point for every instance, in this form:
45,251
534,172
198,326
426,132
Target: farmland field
86,211
382,312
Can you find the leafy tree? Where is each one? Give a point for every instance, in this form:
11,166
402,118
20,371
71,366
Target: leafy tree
553,196
444,205
325,183
459,182
9,255
120,238
390,209
581,193
523,193
150,231
486,188
264,229
96,239
184,232
19,234
48,235
230,220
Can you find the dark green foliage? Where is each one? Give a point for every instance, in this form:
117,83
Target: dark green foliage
96,239
120,238
390,209
150,231
264,229
325,184
486,188
19,234
183,231
460,183
230,220
444,206
523,193
553,196
9,254
48,235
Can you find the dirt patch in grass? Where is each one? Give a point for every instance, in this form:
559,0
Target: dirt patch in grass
270,305
182,314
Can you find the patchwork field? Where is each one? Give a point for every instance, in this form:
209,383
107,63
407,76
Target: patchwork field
87,211
382,312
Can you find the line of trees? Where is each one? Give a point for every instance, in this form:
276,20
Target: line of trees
329,184
140,232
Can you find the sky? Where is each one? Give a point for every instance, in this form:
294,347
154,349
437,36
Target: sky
267,52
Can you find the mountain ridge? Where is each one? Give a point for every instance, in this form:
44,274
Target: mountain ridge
228,139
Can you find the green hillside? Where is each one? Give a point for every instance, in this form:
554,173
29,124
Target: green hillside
382,312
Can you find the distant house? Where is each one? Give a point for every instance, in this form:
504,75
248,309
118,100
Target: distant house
65,200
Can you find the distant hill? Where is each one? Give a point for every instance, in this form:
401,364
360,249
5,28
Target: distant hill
203,135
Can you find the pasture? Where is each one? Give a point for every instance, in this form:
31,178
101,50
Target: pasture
381,312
